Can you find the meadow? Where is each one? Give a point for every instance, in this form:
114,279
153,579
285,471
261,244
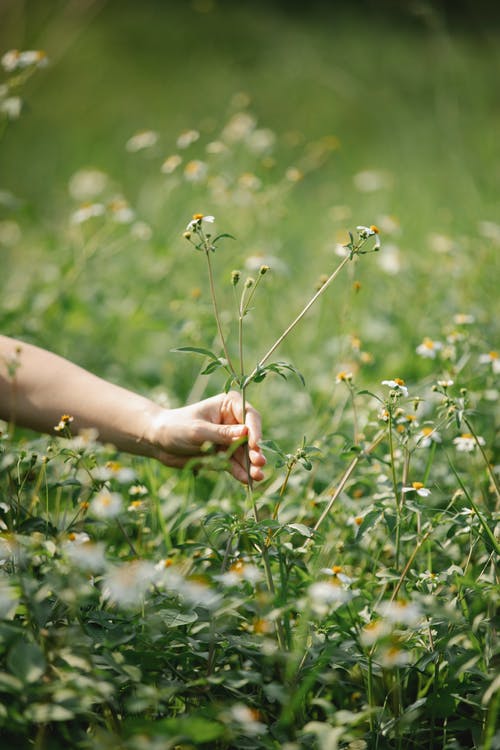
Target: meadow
348,156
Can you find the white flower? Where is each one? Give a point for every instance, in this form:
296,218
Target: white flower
324,594
197,221
419,488
248,718
462,319
127,584
121,211
15,60
85,554
138,490
428,348
141,140
239,127
398,385
374,631
369,180
445,383
390,259
87,211
186,138
466,443
87,183
195,170
171,163
141,231
491,358
401,612
11,107
336,573
393,657
428,436
106,504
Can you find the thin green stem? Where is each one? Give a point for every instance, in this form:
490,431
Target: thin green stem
216,311
489,469
296,320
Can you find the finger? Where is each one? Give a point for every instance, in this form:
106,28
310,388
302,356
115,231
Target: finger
252,417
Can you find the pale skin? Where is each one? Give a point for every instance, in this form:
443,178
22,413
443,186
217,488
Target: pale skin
38,387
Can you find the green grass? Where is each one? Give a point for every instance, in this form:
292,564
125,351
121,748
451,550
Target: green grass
412,99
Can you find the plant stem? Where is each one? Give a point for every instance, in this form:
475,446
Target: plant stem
296,320
489,469
216,311
378,438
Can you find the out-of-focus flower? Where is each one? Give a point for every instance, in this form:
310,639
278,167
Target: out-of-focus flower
239,127
248,719
128,583
397,385
141,231
428,435
241,571
466,443
324,594
390,260
428,348
87,211
11,107
375,631
369,180
106,504
195,170
344,377
293,174
400,612
187,138
419,488
171,163
63,423
441,243
15,60
141,140
10,233
87,184
261,140
85,554
463,319
120,211
491,358
392,657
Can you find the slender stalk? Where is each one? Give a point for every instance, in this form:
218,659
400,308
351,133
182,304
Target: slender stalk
296,320
378,439
489,469
408,565
216,311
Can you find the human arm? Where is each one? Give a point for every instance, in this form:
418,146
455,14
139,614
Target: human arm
37,387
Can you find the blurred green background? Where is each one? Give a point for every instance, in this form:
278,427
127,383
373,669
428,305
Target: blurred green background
391,111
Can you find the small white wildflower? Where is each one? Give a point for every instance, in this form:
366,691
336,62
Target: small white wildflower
239,127
84,554
491,358
141,231
390,260
106,504
466,443
120,211
195,170
87,211
128,583
248,718
138,490
428,348
397,385
445,383
369,180
463,319
393,657
198,220
401,612
141,140
171,163
374,631
324,594
419,488
11,107
428,435
186,138
87,184
14,60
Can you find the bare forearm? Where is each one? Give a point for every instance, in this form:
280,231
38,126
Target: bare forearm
38,387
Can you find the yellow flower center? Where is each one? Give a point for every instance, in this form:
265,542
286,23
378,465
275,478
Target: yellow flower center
197,217
494,355
374,228
417,485
399,381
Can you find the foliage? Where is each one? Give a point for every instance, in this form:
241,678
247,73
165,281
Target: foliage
351,599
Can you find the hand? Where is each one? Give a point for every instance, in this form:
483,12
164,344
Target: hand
179,434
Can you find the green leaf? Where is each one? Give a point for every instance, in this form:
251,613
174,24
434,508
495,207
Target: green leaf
196,350
190,728
26,661
172,618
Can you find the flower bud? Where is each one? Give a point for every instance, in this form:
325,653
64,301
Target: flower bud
263,270
235,277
